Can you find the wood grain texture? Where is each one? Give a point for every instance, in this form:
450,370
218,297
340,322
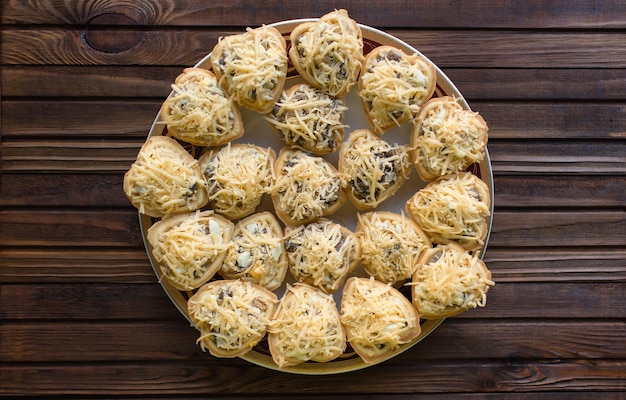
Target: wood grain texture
185,46
540,14
81,83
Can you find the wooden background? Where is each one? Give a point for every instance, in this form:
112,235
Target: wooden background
82,315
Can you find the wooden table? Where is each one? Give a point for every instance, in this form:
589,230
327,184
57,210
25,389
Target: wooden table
82,315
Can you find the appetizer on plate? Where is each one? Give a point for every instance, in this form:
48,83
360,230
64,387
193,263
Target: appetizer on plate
190,248
231,315
198,111
238,175
374,168
305,327
449,280
165,179
447,138
258,252
309,119
391,244
377,318
322,253
252,66
307,187
454,208
394,85
328,52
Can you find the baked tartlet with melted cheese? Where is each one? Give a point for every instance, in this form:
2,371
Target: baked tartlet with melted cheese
306,187
309,119
454,208
231,315
322,253
377,318
447,138
374,168
393,86
165,179
305,327
198,111
190,248
449,280
328,53
252,66
258,252
238,175
391,244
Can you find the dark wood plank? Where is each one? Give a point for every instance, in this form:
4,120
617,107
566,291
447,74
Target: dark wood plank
200,377
475,83
558,228
123,266
71,228
65,189
88,81
58,187
91,265
600,14
133,119
454,339
447,48
559,191
79,228
545,264
529,299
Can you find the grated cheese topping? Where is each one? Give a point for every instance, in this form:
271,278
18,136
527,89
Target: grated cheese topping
452,208
322,254
258,253
393,86
199,112
377,317
450,278
375,168
164,179
390,245
306,326
252,66
306,187
190,247
449,138
310,119
329,53
237,177
231,315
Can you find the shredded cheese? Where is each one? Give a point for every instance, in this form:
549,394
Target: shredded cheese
393,86
448,281
322,254
377,318
231,315
237,177
306,187
190,247
164,179
453,208
306,326
257,254
391,244
449,138
375,168
306,117
252,66
329,53
199,112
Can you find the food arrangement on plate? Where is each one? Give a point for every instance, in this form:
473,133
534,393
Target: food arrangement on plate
315,250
